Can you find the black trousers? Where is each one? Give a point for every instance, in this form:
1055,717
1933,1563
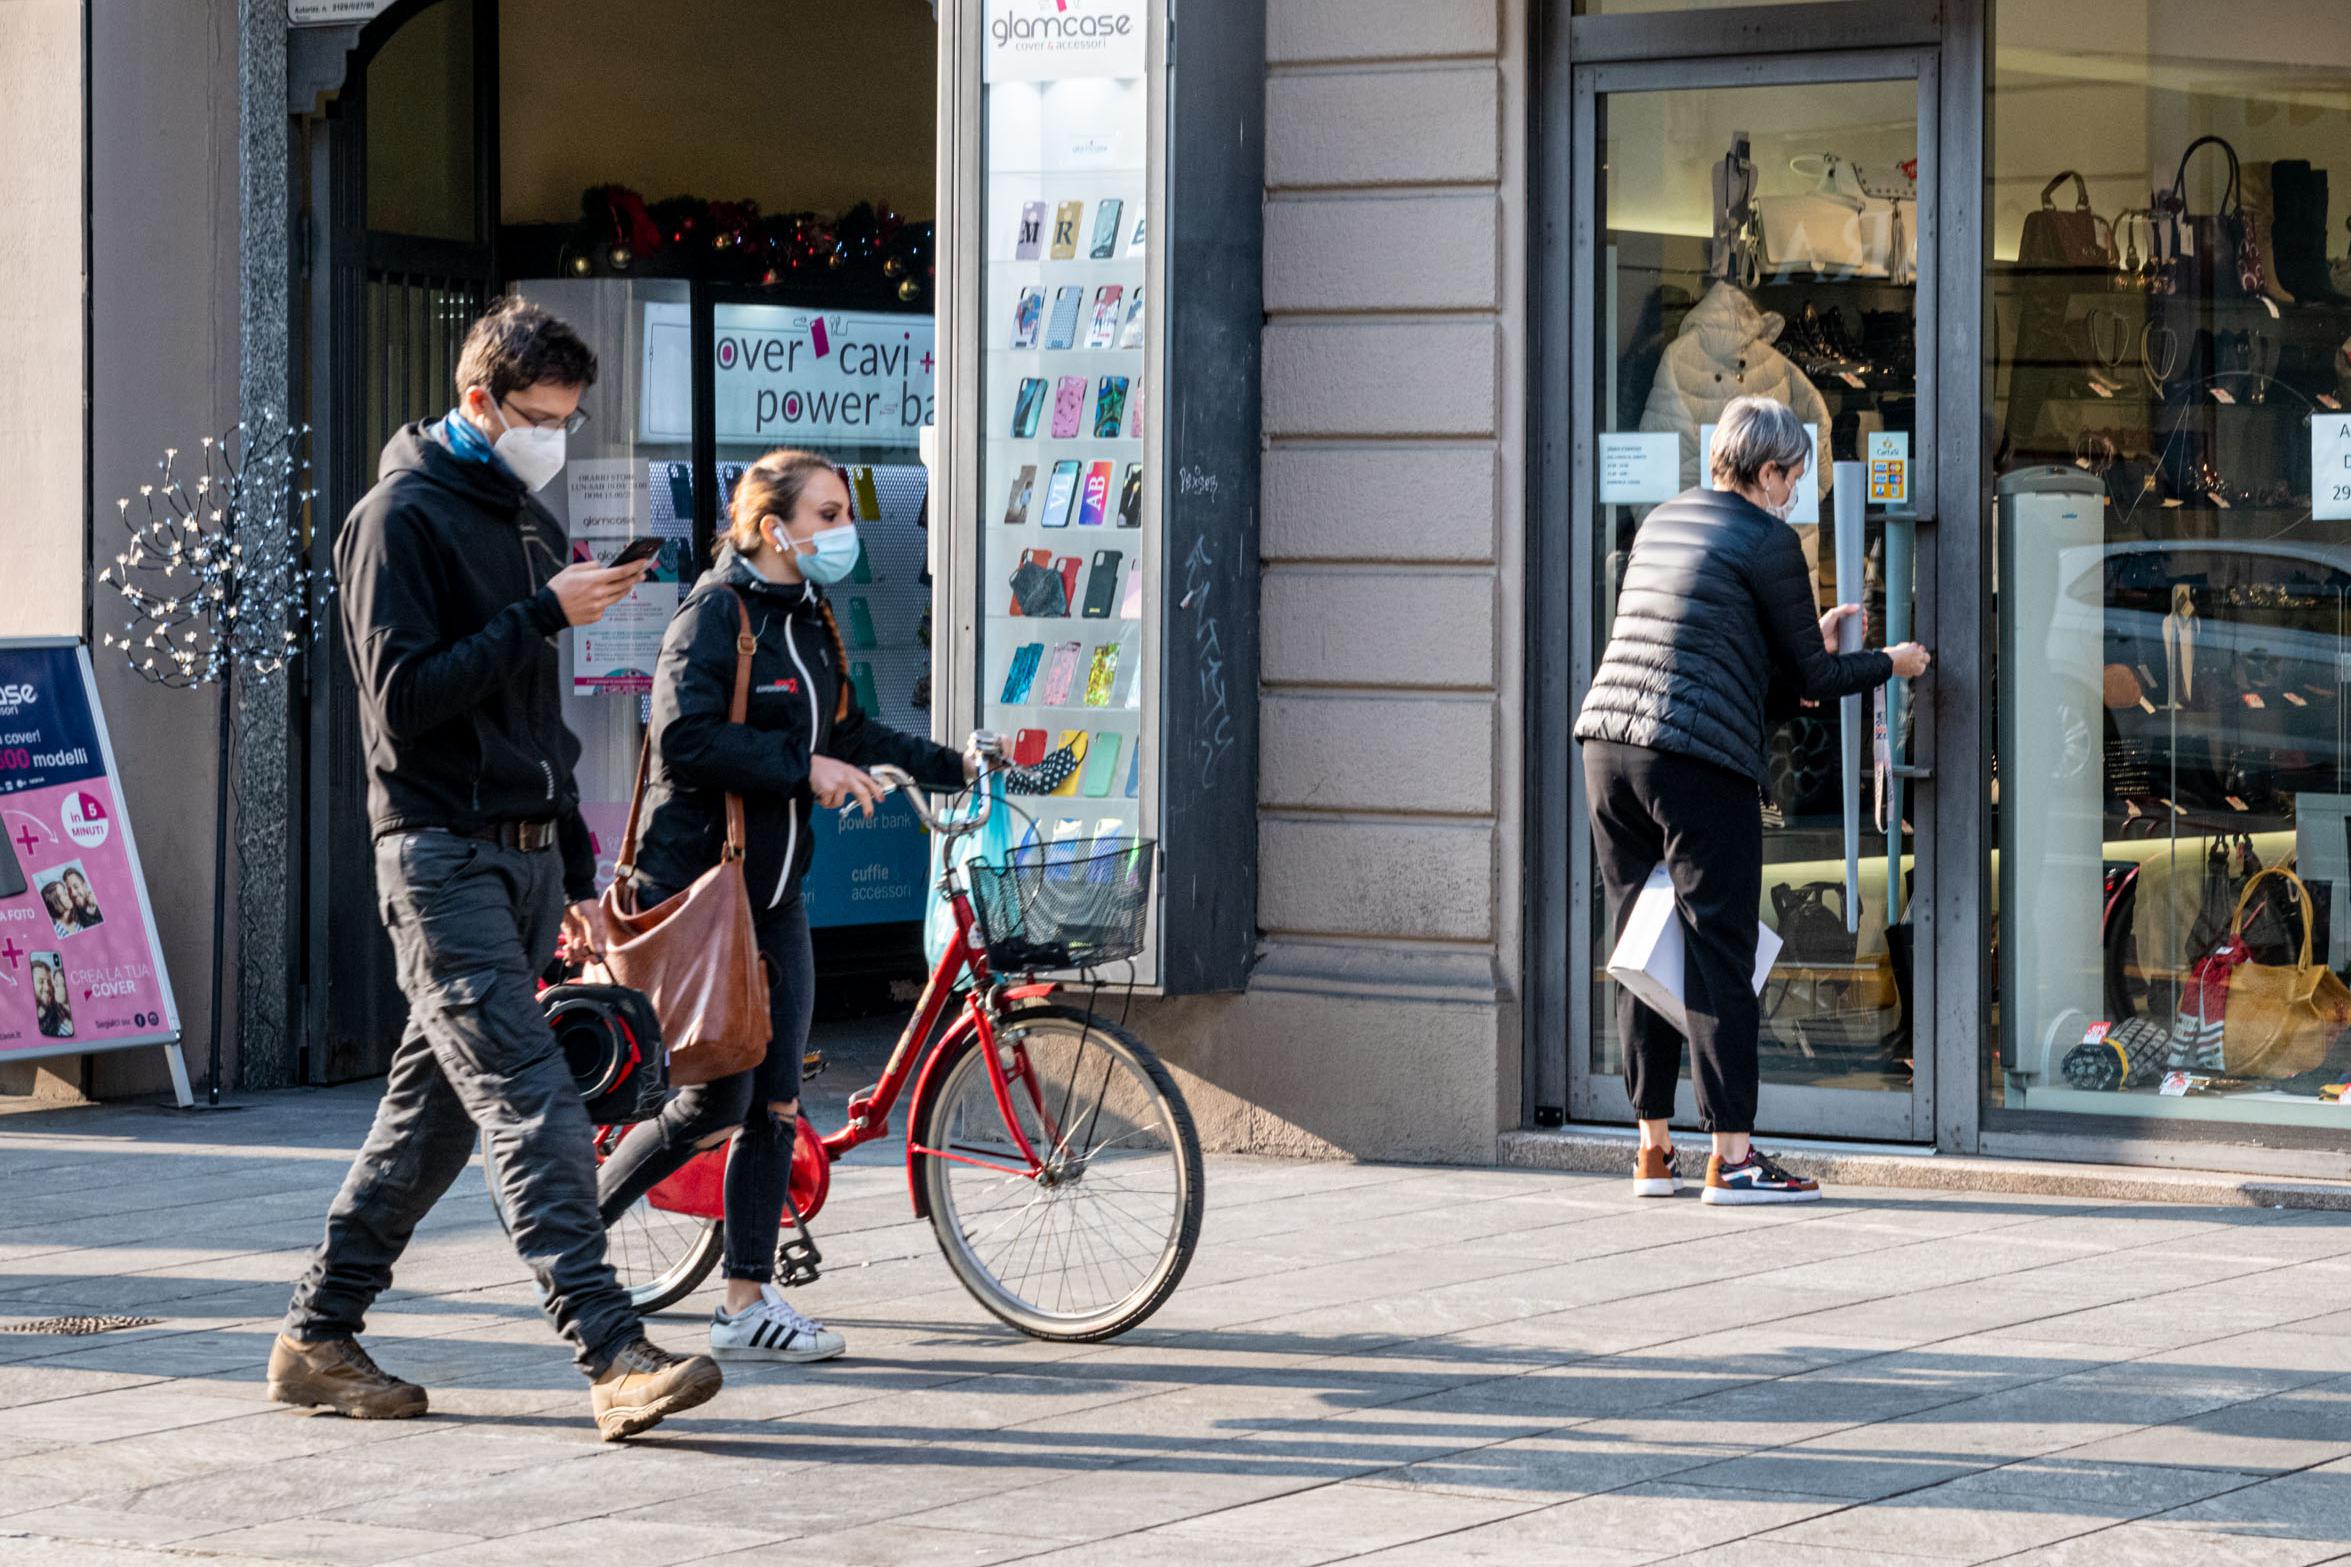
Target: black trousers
1706,824
473,926
759,1171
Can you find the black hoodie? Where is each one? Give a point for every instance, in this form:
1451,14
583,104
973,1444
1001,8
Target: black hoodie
699,757
442,570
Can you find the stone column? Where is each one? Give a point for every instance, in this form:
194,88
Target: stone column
266,822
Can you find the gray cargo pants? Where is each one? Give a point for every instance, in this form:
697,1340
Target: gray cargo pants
473,926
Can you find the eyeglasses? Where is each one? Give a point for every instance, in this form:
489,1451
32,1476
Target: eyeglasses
571,424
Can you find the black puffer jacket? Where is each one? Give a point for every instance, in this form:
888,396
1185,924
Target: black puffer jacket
1714,623
699,757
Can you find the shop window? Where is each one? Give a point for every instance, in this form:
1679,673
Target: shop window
2168,310
422,157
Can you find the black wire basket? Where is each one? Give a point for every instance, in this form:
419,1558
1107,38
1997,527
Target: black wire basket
1063,907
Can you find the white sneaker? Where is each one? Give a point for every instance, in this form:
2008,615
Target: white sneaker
771,1330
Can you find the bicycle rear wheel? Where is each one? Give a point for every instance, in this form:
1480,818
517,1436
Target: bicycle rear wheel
1096,1239
661,1257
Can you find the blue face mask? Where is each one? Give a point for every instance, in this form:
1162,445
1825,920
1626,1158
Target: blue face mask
835,556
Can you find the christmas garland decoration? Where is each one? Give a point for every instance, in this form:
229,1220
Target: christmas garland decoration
869,248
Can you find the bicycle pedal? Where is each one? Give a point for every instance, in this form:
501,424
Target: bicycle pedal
797,1260
812,1065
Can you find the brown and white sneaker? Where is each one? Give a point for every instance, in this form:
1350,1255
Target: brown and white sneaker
1756,1179
1656,1172
336,1374
646,1384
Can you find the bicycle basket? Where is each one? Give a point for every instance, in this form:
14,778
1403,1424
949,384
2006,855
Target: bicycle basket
1064,906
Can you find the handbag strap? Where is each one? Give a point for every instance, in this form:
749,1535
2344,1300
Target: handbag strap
2230,200
2081,191
738,709
2301,894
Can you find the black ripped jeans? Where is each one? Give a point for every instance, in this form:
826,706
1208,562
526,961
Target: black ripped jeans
759,1171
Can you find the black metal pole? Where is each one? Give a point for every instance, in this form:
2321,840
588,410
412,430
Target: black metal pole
220,886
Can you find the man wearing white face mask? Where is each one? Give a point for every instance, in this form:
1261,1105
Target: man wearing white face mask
454,592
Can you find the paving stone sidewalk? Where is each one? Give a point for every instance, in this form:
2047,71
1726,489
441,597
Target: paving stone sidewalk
1367,1363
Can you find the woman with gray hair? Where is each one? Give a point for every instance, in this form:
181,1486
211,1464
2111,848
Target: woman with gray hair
1714,636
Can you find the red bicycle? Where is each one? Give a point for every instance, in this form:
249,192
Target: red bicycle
1051,1151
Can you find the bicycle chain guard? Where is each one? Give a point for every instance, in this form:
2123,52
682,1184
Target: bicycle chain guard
797,1261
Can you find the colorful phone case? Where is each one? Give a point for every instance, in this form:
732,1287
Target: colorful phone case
1028,407
1029,243
1065,231
1130,603
1028,317
861,634
1130,331
1103,331
1068,566
1102,678
1024,491
1106,218
1069,407
1068,843
1096,493
1101,765
1059,492
1062,331
1022,674
1060,675
1135,770
1134,431
868,493
1028,747
1078,744
1110,407
1122,686
1130,497
1102,584
1033,583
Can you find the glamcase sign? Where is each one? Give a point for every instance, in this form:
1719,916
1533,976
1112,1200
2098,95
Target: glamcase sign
1059,40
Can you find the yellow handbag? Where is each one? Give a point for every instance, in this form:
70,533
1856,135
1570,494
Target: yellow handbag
2281,1017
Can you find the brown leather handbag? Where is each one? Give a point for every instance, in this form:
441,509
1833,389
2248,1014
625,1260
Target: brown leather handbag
694,956
2281,1016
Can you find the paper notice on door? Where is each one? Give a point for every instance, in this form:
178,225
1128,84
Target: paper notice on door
2330,467
1638,467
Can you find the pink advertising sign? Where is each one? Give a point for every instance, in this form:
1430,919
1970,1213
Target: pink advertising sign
80,967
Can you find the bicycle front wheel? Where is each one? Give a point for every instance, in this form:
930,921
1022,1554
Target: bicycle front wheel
1095,1235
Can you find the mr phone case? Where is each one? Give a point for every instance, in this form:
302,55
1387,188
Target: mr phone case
1101,765
1065,230
1095,496
1028,407
1028,317
1110,408
1060,675
1069,407
1102,583
1062,330
1060,491
1103,330
1106,216
1024,490
1029,243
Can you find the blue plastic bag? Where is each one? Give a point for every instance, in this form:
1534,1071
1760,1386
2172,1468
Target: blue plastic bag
992,844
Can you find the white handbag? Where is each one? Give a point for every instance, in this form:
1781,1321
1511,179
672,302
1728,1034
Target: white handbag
1649,959
1839,226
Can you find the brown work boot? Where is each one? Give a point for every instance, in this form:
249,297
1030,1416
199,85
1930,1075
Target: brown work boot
645,1384
335,1373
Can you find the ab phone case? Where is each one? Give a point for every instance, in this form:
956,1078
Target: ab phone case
1097,496
1106,228
1024,490
1104,329
1029,244
1102,584
1062,332
1058,493
1069,407
1065,230
1110,408
1027,316
1028,407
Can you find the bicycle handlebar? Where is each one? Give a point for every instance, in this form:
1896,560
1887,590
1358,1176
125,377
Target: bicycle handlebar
989,747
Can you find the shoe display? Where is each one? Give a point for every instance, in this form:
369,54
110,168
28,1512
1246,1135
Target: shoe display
771,1329
1657,1172
646,1384
336,1374
1756,1179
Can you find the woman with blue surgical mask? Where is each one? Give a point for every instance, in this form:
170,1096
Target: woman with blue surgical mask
804,742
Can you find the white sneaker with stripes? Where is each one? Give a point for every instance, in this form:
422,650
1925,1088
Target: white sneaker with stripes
770,1329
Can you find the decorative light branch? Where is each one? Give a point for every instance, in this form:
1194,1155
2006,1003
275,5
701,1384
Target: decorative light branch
213,567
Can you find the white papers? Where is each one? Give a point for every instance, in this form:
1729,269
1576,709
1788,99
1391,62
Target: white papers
1639,466
2330,467
1649,958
